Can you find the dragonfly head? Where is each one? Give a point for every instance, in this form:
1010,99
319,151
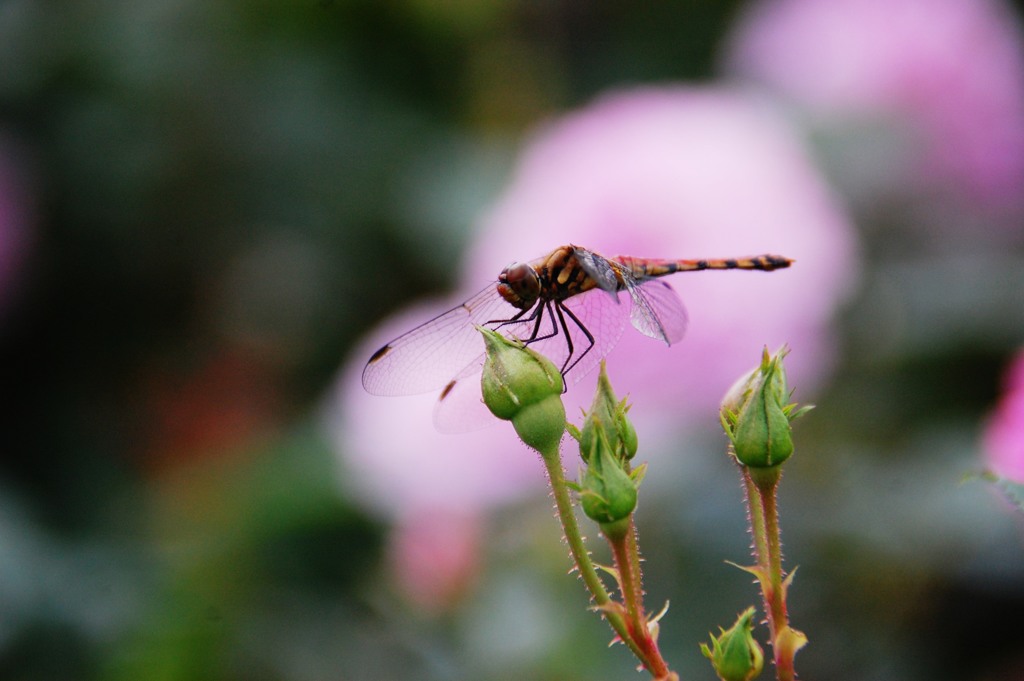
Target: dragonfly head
519,285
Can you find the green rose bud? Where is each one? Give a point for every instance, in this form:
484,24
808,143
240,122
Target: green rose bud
756,416
735,655
609,415
524,387
607,492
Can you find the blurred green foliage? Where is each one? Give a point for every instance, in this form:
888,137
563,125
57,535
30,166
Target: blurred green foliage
227,195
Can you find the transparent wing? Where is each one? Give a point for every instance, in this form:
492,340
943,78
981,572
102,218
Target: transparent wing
604,315
657,310
427,357
460,407
598,268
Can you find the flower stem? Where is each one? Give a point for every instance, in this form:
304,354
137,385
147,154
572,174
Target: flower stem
567,516
627,561
761,486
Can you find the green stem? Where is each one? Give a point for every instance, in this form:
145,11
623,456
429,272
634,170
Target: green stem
580,555
761,485
627,561
757,523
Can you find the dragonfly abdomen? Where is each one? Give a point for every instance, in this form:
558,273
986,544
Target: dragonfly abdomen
651,267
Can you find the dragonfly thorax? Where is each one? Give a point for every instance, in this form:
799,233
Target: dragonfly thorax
520,285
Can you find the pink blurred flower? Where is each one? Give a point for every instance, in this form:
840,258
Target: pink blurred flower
949,73
432,487
687,173
1004,434
398,465
671,172
435,558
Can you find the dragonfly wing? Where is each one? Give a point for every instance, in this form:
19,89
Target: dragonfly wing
598,268
603,316
657,310
427,357
460,408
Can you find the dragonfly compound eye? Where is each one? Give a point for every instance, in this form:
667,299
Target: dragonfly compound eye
519,285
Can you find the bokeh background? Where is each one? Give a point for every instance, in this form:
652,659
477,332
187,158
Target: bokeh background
209,210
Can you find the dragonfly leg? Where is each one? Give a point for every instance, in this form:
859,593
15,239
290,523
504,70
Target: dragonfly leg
582,327
536,329
511,320
568,338
537,317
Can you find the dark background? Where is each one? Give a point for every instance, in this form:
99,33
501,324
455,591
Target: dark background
219,197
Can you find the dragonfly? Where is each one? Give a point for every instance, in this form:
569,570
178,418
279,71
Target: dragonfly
566,305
